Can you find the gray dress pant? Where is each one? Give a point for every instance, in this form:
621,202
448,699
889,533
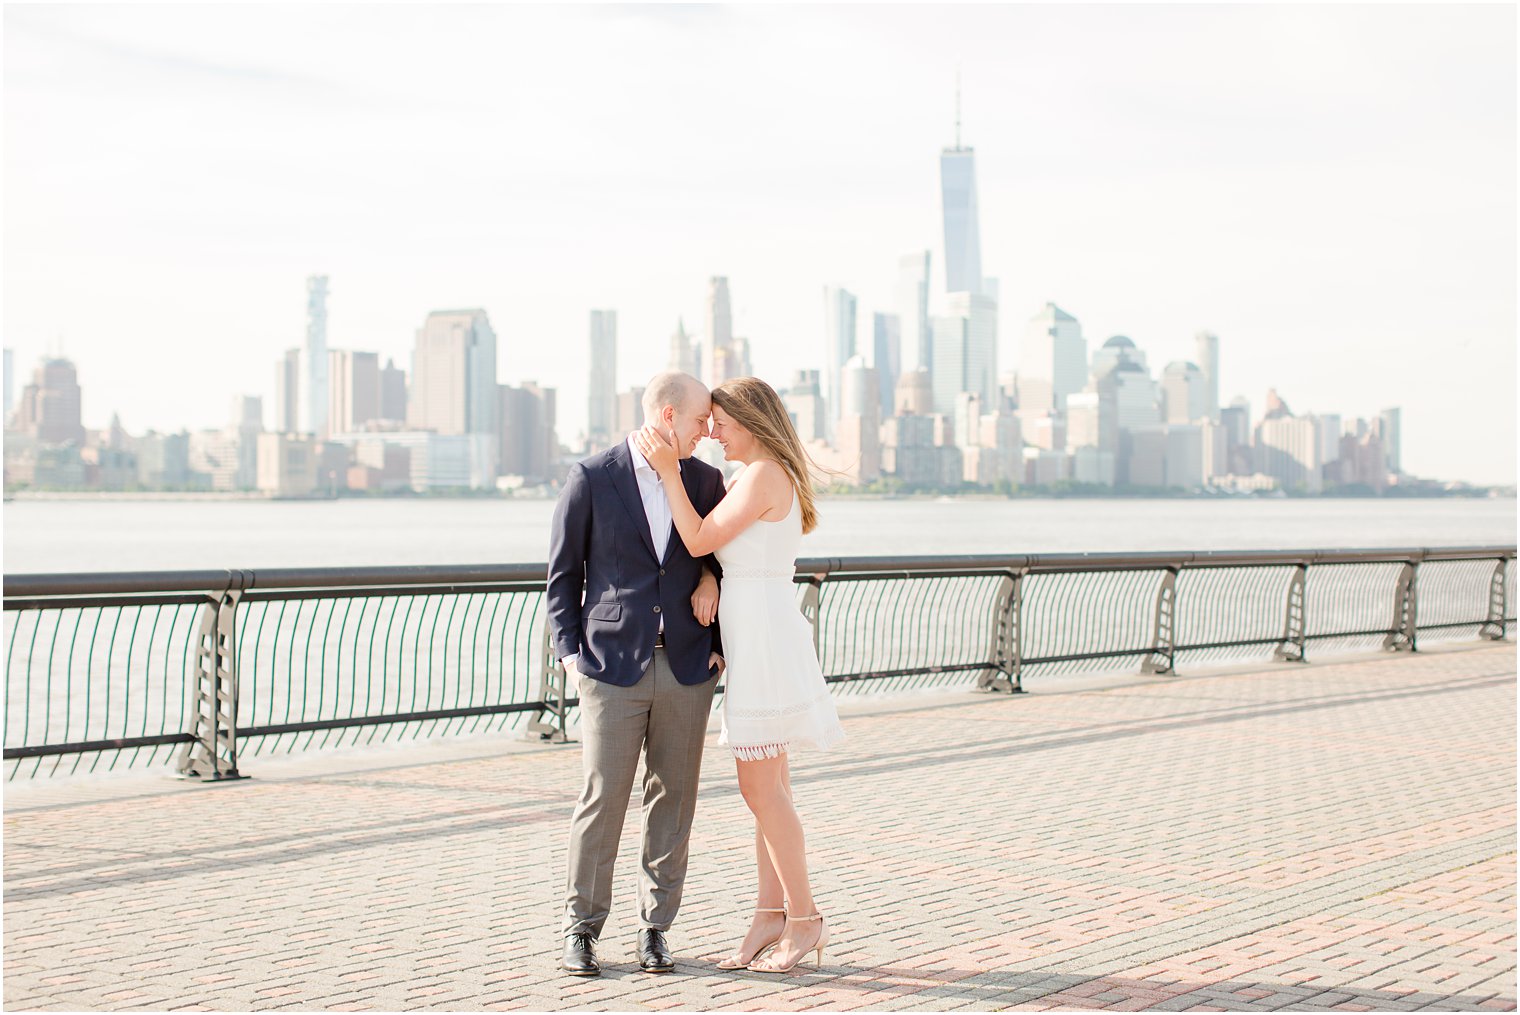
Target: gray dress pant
667,721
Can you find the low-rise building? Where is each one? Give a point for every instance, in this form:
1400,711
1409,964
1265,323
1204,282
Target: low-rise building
163,461
287,464
1043,467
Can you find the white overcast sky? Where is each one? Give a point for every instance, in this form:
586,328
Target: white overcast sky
1329,189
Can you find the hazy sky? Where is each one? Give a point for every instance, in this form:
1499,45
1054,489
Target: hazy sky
1329,189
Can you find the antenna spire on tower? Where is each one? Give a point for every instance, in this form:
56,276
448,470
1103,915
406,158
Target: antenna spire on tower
957,109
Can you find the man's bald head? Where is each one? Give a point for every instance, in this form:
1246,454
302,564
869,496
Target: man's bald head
676,389
679,406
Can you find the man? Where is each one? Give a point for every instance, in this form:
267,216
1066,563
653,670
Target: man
633,617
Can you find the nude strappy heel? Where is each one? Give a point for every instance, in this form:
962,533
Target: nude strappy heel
823,939
729,963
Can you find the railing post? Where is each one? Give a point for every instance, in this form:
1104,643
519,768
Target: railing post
1291,648
214,698
552,722
1498,602
810,606
1007,631
1405,605
1162,655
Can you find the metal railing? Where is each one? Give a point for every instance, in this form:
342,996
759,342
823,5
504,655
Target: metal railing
210,667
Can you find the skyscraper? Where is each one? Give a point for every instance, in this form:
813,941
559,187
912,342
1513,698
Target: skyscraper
804,403
963,245
683,355
50,405
601,406
859,425
1052,360
10,383
1388,427
630,410
1119,348
287,393
1235,418
886,355
1183,393
1288,448
353,389
248,413
392,392
1136,401
718,339
913,310
1329,436
1207,358
1089,421
529,445
454,374
914,394
314,392
859,390
965,351
838,347
736,361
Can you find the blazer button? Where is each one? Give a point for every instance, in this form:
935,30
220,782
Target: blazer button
662,572
657,609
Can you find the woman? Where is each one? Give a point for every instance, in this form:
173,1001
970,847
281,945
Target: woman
775,697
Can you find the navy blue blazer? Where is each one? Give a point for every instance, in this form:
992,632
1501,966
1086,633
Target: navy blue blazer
607,591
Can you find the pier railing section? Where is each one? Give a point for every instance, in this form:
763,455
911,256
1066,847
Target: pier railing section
205,669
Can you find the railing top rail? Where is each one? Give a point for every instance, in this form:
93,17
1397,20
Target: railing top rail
28,586
1148,559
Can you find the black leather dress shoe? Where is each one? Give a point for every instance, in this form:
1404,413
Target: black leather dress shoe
654,956
580,956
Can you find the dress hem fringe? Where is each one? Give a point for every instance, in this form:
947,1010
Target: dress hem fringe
760,752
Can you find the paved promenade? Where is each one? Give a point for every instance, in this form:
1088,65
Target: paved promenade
1337,836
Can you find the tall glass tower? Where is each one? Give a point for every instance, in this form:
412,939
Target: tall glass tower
314,393
913,310
1207,359
601,408
717,343
963,245
839,346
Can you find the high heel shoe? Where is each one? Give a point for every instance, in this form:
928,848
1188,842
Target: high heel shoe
729,963
823,939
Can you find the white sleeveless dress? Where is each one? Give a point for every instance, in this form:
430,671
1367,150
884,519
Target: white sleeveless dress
775,698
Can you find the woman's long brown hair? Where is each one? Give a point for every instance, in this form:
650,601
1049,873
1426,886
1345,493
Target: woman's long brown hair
754,405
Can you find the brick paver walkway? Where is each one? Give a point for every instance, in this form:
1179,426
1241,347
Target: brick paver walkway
1335,836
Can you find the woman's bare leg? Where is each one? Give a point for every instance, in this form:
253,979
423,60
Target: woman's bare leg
763,927
767,789
772,895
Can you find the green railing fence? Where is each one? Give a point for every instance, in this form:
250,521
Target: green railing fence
209,668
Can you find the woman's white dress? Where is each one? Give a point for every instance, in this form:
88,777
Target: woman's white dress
775,698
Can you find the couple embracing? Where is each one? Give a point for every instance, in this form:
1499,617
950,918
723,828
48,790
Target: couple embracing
660,580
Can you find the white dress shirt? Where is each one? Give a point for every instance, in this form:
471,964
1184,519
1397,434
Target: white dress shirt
656,503
656,511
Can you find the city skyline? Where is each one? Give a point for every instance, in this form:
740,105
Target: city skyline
454,399
1342,317
1121,427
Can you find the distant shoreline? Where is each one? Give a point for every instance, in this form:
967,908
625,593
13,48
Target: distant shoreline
150,496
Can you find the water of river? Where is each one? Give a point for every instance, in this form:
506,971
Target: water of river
171,535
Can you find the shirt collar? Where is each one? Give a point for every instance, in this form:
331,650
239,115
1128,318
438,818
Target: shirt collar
640,463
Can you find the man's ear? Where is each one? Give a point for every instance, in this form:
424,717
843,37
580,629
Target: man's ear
668,416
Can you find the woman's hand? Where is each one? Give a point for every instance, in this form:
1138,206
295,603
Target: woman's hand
660,452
